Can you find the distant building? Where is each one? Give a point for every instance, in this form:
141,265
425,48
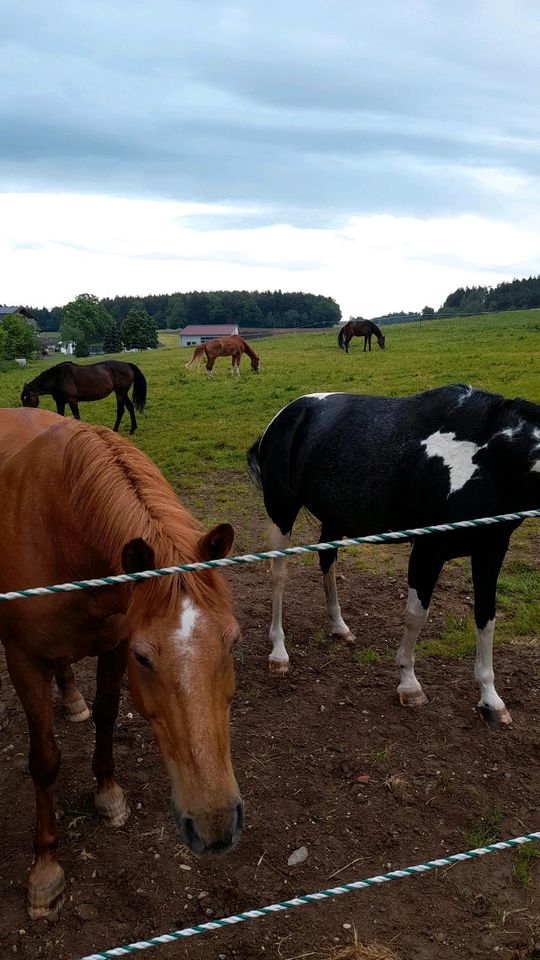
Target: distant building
23,312
192,335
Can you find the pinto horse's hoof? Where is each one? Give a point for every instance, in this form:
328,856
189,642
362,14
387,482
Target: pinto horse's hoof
4,717
412,698
111,806
75,709
347,637
495,719
46,890
278,666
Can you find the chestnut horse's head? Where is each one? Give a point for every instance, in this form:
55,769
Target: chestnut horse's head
255,363
181,677
29,397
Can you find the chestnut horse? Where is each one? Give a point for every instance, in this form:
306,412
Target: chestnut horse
223,347
360,328
79,501
73,382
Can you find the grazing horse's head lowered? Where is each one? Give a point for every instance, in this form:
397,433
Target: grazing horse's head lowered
29,397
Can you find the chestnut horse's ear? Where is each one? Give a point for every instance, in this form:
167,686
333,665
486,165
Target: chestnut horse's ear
216,543
137,555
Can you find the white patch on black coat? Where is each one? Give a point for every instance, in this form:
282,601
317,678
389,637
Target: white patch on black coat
457,455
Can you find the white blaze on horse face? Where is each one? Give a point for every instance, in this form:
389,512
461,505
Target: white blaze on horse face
457,455
536,465
183,636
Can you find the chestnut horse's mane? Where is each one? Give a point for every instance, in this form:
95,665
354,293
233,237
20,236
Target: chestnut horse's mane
119,495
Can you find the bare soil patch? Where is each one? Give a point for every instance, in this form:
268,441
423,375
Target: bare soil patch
300,743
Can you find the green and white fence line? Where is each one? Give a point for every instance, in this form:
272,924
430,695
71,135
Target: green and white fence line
212,925
392,537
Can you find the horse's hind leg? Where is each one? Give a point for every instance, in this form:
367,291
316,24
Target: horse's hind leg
119,411
46,883
210,368
327,563
73,702
278,660
425,565
486,565
131,411
109,799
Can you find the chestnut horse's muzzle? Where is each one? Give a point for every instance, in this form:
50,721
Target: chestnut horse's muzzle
210,833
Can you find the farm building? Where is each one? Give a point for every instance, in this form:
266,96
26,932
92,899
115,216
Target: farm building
22,311
192,335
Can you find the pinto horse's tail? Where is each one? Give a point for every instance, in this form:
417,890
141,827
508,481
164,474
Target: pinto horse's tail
139,388
341,337
198,354
254,467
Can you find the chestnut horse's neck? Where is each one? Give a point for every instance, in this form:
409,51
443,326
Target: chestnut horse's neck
247,349
119,495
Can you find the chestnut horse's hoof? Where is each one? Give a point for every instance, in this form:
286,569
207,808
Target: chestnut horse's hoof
412,698
4,717
112,806
495,719
46,890
75,708
278,666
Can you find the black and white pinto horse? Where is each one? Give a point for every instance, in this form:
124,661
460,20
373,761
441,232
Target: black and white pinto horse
363,464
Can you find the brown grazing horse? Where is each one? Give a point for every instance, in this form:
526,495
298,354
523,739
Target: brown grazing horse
79,501
360,328
73,382
223,347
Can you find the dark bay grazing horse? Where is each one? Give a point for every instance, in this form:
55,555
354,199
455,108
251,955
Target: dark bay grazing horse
223,347
72,383
79,501
364,464
360,328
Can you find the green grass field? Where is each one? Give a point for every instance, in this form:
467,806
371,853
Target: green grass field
198,431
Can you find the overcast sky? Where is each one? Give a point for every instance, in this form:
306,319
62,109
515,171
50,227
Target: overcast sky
382,153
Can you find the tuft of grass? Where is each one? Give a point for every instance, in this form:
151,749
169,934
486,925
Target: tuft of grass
523,861
361,951
368,655
482,830
381,760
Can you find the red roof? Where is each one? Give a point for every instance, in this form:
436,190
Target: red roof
209,330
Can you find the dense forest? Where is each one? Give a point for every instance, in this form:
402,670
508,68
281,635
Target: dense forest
511,295
247,309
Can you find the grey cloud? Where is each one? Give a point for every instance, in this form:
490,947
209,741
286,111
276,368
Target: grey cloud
308,112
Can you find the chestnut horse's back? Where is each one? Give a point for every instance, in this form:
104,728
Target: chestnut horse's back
20,426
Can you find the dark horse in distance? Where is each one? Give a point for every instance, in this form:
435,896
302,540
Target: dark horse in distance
73,382
360,328
363,464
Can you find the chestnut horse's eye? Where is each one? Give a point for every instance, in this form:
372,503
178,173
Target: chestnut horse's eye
143,660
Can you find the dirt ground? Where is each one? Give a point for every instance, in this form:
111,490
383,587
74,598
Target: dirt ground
300,743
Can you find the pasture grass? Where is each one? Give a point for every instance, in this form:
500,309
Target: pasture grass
482,830
524,859
197,431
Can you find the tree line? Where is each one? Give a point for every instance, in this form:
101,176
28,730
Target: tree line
265,309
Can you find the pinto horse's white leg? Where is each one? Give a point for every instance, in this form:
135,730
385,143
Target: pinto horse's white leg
278,660
409,690
491,706
338,627
486,563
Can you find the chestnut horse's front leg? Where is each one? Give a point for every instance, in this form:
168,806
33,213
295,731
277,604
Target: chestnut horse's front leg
109,800
33,683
